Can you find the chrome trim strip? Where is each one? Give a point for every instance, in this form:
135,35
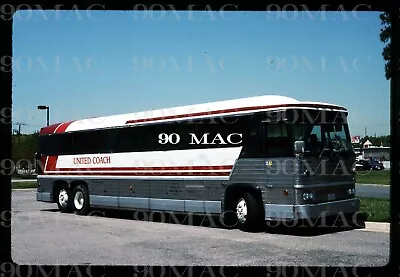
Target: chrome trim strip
323,185
100,177
212,206
133,202
104,201
156,204
167,204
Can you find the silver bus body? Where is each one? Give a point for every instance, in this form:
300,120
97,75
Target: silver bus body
204,159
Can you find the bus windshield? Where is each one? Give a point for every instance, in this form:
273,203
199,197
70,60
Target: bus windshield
324,139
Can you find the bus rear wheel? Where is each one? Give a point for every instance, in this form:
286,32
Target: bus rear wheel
248,213
81,200
64,199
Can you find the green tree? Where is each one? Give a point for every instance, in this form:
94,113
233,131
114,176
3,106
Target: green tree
377,141
24,147
385,37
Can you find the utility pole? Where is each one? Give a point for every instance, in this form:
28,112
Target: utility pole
19,127
365,132
19,130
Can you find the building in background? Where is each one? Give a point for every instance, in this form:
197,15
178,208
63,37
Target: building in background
355,139
380,153
367,150
377,152
367,144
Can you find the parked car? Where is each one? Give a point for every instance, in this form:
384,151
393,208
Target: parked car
377,165
363,165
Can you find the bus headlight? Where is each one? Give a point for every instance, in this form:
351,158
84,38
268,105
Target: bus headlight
307,196
351,191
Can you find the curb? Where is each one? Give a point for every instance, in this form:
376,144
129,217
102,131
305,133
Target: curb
380,227
372,185
23,180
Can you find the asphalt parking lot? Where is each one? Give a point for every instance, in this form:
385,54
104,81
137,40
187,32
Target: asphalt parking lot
42,235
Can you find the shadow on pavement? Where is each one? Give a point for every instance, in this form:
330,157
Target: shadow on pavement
299,228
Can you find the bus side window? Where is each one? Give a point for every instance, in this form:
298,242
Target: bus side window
276,139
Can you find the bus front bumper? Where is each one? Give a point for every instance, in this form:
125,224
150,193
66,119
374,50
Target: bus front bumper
311,211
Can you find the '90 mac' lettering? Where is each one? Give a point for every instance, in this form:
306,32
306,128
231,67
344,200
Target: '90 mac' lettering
218,139
174,138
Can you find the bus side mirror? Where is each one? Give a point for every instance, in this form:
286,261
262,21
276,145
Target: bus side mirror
299,146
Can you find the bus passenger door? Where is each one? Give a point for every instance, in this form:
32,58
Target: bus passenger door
278,163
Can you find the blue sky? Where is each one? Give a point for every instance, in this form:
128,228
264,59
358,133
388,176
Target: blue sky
96,63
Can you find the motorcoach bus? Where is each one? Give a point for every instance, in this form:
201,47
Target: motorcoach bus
259,158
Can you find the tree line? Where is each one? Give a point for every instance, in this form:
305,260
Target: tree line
24,147
386,37
375,140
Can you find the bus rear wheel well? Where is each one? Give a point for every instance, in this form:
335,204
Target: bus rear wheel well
64,184
78,182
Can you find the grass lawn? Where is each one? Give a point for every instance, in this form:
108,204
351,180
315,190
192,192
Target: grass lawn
23,185
373,177
377,210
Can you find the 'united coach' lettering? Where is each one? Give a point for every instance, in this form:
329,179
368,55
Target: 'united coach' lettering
82,160
94,160
102,160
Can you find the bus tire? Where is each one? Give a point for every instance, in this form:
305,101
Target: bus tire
64,199
229,219
81,200
249,213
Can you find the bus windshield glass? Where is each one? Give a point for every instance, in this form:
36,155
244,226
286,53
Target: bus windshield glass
324,139
324,132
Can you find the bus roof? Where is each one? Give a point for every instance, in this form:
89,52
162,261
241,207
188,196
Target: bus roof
227,107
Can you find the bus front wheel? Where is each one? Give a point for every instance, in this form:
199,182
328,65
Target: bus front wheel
81,200
249,213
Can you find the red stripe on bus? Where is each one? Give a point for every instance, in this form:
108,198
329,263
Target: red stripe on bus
51,163
63,127
142,173
55,128
158,168
49,129
234,110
